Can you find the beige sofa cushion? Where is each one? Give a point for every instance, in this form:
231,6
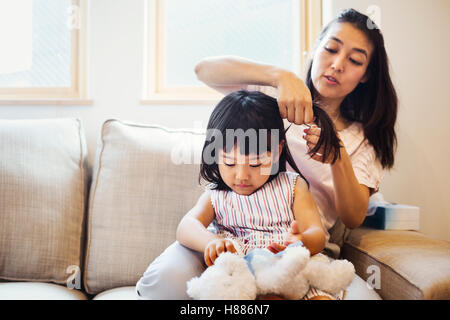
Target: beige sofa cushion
38,291
122,293
412,265
138,195
43,190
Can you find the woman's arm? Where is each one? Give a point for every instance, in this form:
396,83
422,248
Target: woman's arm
229,73
307,218
351,197
191,231
236,71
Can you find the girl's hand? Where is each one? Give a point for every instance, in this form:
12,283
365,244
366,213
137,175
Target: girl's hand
215,247
295,101
294,235
312,135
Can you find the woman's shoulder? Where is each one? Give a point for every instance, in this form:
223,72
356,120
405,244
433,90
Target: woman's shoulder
356,142
353,138
354,129
366,165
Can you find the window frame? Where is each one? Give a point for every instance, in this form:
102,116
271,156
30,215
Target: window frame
154,91
77,92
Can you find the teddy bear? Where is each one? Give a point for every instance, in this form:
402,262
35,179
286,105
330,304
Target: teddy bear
288,274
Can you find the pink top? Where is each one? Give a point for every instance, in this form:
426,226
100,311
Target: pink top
258,219
366,166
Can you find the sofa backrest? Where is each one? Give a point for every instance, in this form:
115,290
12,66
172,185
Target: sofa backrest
145,178
43,195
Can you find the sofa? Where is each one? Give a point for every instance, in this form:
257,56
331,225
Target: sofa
69,230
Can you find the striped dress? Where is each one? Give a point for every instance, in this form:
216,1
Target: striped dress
258,219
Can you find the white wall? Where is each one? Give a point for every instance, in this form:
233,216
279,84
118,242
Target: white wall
416,34
417,37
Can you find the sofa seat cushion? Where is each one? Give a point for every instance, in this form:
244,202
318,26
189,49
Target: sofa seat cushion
122,293
359,290
43,194
145,179
411,265
38,291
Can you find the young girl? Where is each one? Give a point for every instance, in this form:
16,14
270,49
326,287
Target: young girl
251,200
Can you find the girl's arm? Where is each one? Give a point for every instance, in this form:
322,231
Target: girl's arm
307,218
191,231
229,73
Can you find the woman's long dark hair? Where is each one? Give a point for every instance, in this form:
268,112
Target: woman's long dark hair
243,110
328,144
373,103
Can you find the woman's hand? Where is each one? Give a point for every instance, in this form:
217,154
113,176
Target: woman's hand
294,99
312,135
215,247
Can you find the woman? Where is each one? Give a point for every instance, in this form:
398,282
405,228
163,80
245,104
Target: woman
348,78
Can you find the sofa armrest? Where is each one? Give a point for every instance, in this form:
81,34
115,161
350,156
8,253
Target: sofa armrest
411,265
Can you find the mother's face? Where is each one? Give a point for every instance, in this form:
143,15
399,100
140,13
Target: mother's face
340,61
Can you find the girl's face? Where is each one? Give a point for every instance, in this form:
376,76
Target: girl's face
340,61
245,174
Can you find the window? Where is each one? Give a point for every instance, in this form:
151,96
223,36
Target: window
43,51
180,33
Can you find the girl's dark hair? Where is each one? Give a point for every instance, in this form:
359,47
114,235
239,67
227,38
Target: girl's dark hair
243,110
373,103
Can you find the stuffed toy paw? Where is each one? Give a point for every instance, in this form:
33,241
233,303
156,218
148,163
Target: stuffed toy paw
329,275
228,279
280,274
